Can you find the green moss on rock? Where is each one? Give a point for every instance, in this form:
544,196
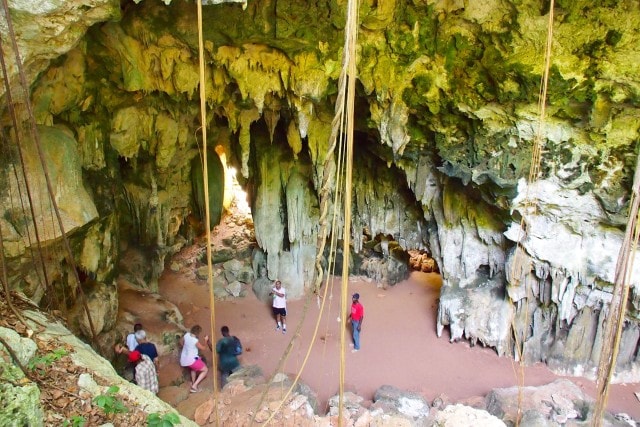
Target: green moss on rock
19,398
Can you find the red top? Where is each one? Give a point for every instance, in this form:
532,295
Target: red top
357,311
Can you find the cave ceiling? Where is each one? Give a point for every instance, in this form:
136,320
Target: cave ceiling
447,112
457,78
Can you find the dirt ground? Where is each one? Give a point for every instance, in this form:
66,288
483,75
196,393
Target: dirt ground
399,343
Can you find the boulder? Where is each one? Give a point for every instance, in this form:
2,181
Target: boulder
246,275
234,289
479,313
461,415
557,403
406,403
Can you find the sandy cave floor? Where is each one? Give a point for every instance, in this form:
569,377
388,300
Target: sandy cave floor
399,345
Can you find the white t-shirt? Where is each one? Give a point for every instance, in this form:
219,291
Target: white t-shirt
279,302
189,350
132,343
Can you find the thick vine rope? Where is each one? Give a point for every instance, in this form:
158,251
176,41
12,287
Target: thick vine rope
618,307
530,208
205,178
330,265
343,118
41,271
36,139
351,41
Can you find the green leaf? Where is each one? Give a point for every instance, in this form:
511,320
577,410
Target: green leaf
167,420
113,389
173,417
101,400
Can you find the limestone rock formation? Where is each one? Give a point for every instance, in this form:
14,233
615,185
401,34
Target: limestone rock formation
458,415
412,406
558,403
446,116
92,374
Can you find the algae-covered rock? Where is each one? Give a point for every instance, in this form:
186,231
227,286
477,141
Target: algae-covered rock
19,397
19,404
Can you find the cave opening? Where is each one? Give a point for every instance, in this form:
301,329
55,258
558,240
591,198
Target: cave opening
421,260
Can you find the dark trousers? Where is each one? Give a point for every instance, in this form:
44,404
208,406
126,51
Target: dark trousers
224,376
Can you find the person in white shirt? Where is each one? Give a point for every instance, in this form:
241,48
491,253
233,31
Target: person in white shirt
280,306
132,343
190,357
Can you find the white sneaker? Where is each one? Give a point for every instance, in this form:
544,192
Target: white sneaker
277,327
284,330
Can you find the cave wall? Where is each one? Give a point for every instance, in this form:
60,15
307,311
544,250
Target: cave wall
448,91
36,260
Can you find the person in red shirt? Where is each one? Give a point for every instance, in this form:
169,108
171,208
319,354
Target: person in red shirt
356,317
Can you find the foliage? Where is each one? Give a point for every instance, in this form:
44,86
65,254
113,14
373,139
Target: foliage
170,339
167,420
109,403
75,421
40,362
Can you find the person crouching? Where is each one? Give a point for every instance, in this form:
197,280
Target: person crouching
190,357
145,371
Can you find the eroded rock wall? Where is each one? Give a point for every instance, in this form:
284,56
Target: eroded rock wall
449,93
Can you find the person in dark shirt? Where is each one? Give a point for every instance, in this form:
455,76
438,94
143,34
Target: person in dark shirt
146,347
227,359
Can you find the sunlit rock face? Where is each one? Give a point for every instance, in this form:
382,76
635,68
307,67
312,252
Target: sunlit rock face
44,30
446,115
